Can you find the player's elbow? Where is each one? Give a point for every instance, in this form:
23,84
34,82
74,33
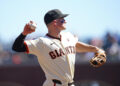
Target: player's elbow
19,47
14,48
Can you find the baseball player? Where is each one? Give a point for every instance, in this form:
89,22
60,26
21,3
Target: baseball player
55,51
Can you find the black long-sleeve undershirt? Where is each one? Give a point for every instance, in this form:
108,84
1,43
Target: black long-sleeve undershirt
19,45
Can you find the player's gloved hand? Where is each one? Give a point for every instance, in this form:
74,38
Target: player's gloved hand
99,59
29,28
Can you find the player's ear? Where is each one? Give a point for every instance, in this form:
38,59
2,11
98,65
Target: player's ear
54,22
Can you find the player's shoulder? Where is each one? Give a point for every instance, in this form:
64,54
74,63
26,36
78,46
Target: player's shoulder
45,39
68,34
38,40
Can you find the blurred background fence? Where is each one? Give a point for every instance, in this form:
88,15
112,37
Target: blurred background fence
85,75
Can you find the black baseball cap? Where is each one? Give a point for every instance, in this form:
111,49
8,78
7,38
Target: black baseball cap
52,15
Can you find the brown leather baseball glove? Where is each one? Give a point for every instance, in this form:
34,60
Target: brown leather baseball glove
99,59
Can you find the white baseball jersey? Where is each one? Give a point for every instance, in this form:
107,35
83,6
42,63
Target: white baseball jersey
56,57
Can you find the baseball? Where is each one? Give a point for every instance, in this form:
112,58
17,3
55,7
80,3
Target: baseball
33,25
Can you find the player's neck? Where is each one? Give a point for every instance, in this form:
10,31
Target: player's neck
55,33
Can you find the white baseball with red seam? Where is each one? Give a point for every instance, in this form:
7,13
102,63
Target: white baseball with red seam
33,25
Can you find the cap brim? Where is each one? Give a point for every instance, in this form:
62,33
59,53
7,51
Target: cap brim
64,15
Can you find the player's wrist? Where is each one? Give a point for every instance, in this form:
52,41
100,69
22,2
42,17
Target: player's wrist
100,51
97,50
25,34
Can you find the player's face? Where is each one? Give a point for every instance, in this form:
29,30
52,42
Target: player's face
61,23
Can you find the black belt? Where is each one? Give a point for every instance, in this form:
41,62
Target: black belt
59,82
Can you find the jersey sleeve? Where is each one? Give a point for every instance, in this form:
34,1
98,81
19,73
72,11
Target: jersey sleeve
32,46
